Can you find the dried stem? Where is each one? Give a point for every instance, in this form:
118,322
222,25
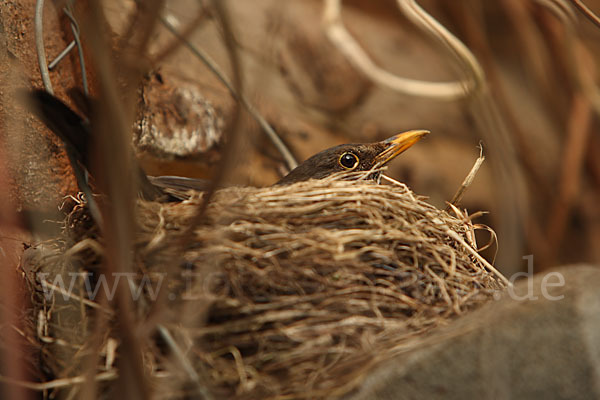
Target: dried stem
468,179
343,40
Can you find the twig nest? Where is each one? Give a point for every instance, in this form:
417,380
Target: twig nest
288,291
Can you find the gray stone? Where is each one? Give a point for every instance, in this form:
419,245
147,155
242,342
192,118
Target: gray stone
537,344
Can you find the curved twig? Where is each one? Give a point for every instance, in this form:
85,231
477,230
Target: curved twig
39,45
343,40
422,19
560,8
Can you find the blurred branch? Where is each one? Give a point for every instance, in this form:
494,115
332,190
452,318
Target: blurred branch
150,11
212,65
181,37
115,175
343,40
578,133
463,55
472,24
560,8
579,67
236,89
140,27
532,43
587,12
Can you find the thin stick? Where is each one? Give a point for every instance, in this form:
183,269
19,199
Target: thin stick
475,254
178,41
62,55
75,29
340,37
177,352
183,360
212,65
392,180
587,12
468,180
39,45
58,383
116,180
73,296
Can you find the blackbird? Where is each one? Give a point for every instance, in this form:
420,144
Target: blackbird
75,132
353,157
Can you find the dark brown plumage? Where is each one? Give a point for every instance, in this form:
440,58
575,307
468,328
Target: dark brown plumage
74,131
352,157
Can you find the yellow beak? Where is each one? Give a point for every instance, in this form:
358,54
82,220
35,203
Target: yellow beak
398,144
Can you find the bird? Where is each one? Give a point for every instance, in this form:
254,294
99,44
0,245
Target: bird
353,157
76,133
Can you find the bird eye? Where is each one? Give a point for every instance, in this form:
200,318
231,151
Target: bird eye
348,160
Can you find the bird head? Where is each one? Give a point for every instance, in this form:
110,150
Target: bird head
353,157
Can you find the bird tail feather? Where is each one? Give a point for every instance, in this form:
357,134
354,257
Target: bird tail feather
72,129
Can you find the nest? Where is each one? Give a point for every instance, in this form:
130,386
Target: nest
281,292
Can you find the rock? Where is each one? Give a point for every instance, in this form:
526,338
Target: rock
538,344
176,120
